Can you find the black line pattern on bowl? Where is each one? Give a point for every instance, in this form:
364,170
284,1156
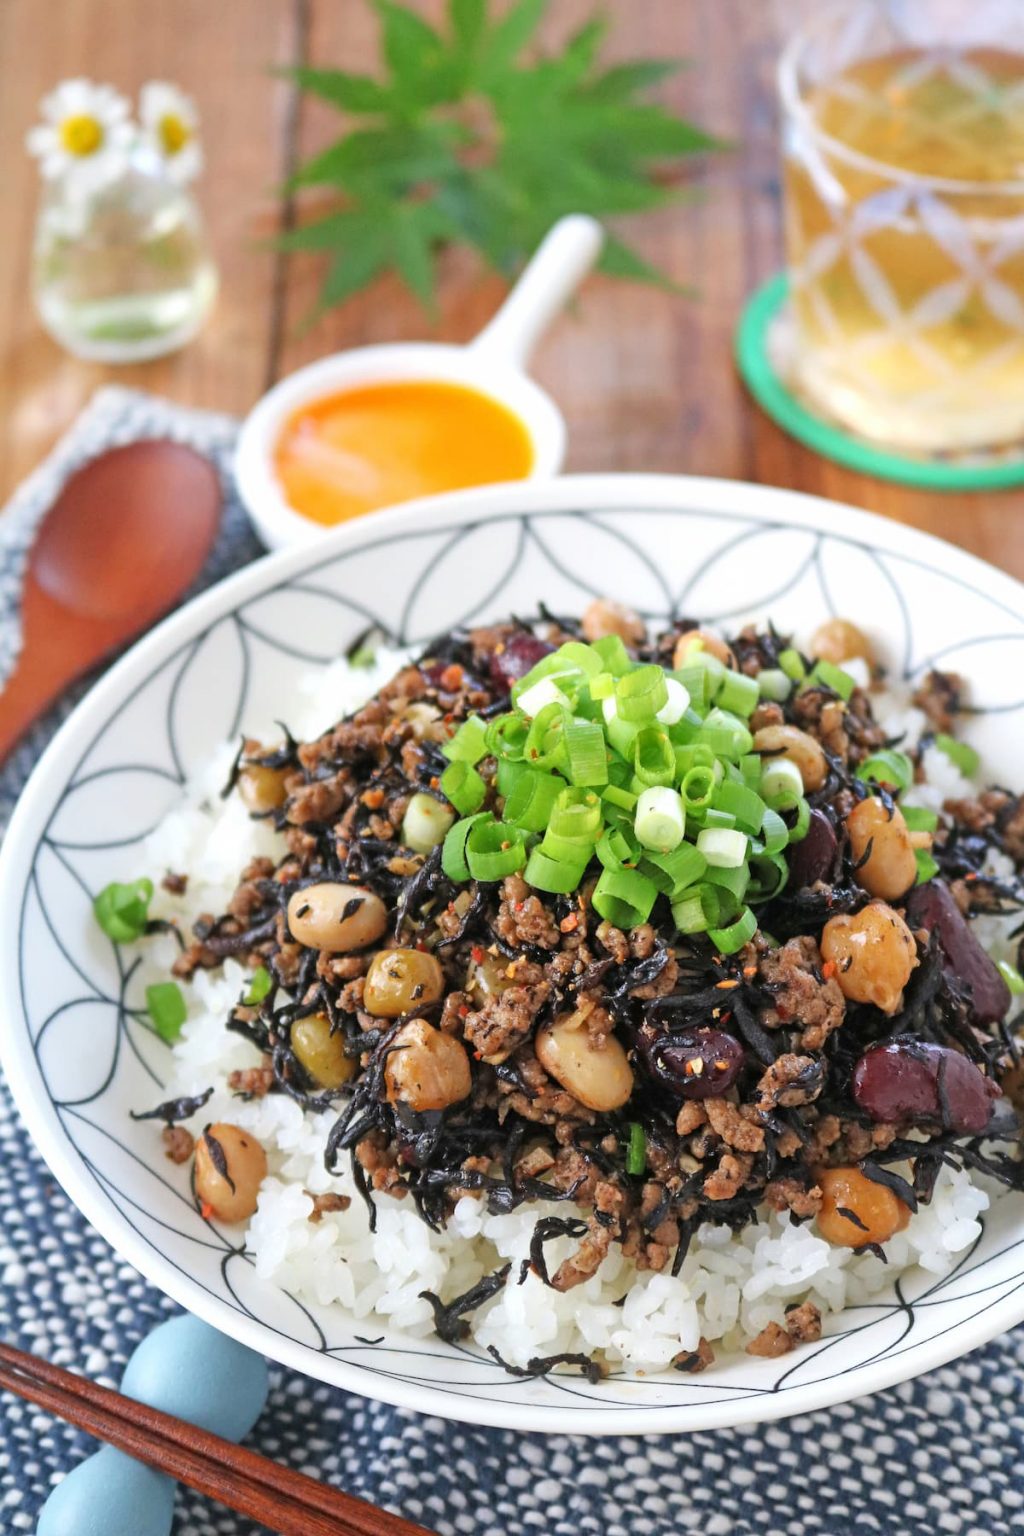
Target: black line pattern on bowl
463,1370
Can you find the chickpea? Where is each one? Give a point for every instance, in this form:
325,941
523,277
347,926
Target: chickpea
322,1053
604,617
336,917
847,1189
598,1075
702,640
776,741
873,954
427,1069
230,1167
837,640
401,979
261,788
890,869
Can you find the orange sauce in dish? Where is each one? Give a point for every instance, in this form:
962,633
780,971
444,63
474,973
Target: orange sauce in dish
350,452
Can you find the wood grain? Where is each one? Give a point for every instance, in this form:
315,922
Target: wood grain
646,379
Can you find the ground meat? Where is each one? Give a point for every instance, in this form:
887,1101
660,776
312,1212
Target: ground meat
536,1097
523,918
663,983
176,884
534,1163
821,715
803,999
324,1204
586,1260
505,1021
729,1177
614,941
791,1194
318,802
379,1160
690,1117
857,1141
803,1323
978,815
728,1121
771,1342
695,1360
939,697
178,1143
789,1081
1012,831
250,897
642,942
253,1082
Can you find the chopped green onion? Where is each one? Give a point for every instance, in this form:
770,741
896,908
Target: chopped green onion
774,684
453,850
557,876
636,1152
698,683
426,821
602,686
469,744
576,815
614,656
893,769
506,737
768,875
774,831
259,987
532,798
545,741
723,847
727,734
826,674
742,803
547,692
654,758
165,1004
780,776
927,868
621,733
586,752
463,786
683,867
122,911
959,753
735,881
698,787
728,940
713,818
1013,978
660,820
614,849
576,653
792,664
738,694
918,819
493,850
675,707
698,910
625,799
640,694
624,897
798,831
508,775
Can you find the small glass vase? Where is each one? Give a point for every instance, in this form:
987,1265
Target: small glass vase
124,272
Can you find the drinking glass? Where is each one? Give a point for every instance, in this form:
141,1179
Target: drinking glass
903,158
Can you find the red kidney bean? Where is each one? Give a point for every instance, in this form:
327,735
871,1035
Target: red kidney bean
813,856
693,1064
965,961
522,651
910,1079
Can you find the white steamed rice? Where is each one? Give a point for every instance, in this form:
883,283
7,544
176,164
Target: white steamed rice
731,1284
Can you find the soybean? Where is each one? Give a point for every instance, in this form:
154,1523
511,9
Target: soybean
335,917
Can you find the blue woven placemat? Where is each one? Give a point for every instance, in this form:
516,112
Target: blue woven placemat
940,1456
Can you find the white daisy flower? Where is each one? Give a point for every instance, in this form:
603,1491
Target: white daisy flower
170,127
85,137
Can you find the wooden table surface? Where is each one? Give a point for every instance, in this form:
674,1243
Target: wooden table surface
645,378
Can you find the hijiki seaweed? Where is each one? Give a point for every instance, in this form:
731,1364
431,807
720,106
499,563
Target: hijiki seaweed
514,960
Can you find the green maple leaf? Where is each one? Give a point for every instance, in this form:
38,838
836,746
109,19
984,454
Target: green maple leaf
468,136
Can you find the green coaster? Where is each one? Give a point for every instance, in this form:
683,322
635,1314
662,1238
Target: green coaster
760,338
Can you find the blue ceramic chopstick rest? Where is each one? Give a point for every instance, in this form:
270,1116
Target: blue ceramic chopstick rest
185,1368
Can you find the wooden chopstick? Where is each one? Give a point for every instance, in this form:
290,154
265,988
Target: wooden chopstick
275,1496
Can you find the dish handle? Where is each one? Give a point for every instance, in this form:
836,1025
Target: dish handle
557,267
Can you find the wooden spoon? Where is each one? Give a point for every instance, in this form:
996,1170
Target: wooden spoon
125,538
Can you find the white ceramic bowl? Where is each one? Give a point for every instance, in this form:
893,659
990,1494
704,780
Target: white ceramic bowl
78,1062
494,364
